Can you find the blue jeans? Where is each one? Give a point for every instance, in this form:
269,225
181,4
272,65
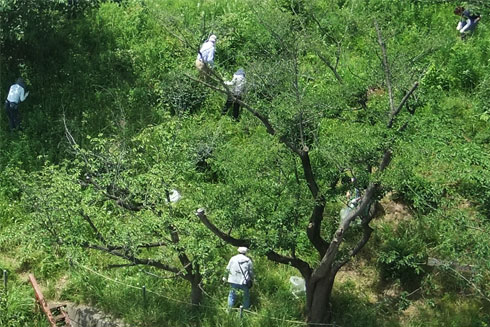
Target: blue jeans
232,295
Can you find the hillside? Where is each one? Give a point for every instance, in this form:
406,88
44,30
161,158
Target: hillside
345,142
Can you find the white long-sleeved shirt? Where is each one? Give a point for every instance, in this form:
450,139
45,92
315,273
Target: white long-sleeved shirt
206,53
235,275
16,94
237,84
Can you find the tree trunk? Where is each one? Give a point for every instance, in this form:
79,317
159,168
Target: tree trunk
196,291
318,296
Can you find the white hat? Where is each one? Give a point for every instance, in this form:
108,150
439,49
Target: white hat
212,38
242,250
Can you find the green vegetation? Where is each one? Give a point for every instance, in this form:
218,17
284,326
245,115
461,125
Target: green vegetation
17,305
117,118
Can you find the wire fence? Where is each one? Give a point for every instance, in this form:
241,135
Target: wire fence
144,290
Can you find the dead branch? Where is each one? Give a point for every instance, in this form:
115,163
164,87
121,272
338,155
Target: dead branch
386,66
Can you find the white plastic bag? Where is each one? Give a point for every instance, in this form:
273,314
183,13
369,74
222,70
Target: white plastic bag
174,196
298,285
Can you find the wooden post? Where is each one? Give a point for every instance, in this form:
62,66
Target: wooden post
241,311
41,300
144,297
5,274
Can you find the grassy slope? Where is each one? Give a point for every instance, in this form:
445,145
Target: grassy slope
441,300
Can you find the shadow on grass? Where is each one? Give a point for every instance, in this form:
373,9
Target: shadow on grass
354,309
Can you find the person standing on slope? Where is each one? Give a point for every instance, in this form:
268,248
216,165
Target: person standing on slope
240,276
237,88
17,94
205,56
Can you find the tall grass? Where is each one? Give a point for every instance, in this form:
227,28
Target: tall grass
18,307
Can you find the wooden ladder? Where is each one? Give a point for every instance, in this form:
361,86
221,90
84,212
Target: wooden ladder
56,314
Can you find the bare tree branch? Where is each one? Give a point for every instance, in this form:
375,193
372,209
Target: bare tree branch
216,231
271,30
101,238
122,265
68,135
301,265
141,246
330,66
71,140
122,203
324,31
182,39
308,172
397,110
386,65
179,274
327,62
98,235
367,230
135,260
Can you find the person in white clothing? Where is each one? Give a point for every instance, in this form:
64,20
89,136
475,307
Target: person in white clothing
237,88
240,276
468,22
205,56
15,96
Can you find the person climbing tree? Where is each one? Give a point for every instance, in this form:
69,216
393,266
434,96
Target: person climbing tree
468,21
240,276
17,94
205,56
353,199
237,89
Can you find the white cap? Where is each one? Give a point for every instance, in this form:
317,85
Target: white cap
242,250
212,38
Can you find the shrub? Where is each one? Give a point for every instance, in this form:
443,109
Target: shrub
401,256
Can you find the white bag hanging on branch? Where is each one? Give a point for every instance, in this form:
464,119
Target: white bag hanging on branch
298,285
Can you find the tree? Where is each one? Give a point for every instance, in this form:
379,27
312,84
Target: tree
294,117
120,199
327,101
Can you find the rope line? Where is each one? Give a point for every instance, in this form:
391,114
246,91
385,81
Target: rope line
200,305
